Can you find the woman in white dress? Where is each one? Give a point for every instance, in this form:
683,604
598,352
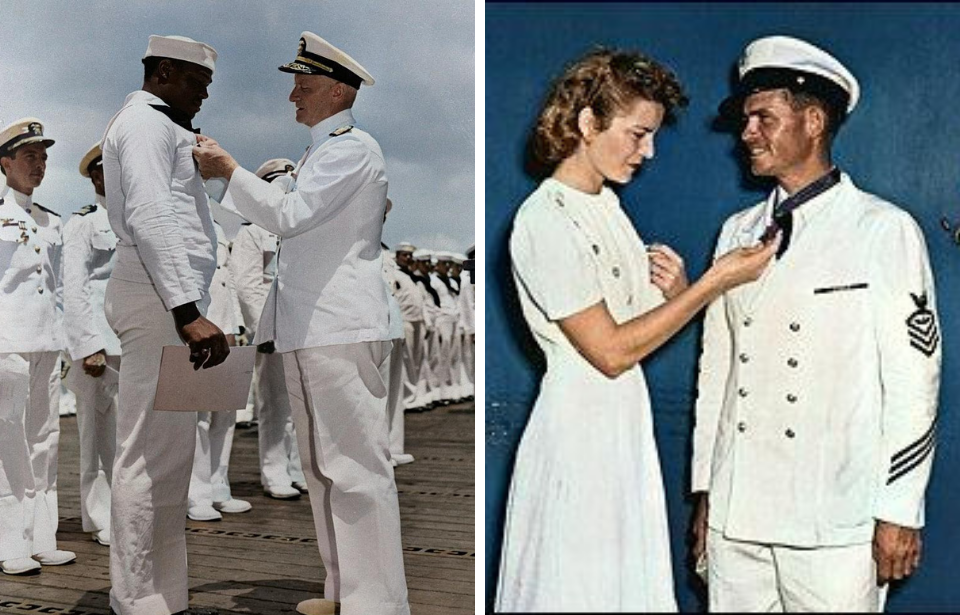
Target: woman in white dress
586,527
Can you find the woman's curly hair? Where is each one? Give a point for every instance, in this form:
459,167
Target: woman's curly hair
607,81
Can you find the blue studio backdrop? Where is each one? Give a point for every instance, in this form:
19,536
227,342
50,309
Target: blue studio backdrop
902,143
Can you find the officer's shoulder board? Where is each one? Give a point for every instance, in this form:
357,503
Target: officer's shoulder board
49,211
89,209
342,130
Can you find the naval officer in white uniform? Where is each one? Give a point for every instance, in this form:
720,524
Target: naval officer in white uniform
89,254
253,264
157,296
815,423
408,295
328,316
31,245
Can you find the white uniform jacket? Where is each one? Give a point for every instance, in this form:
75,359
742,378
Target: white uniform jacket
328,289
157,206
431,311
818,382
253,264
467,302
390,271
449,310
89,248
31,286
223,294
408,295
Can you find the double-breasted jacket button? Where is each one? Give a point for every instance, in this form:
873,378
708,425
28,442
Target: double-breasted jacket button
40,290
747,321
789,433
36,249
742,392
792,362
744,357
39,268
616,272
741,426
791,398
794,326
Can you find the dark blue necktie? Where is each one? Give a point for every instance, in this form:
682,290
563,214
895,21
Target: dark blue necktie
783,211
176,117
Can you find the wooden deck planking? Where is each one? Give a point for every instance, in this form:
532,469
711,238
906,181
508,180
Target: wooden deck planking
265,561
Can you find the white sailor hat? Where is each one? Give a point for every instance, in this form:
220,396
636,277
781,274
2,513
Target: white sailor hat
274,168
181,48
422,255
406,246
444,256
776,62
458,258
93,158
21,132
316,56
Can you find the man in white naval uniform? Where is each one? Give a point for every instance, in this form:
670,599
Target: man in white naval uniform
157,295
447,322
253,265
209,494
31,243
328,316
89,253
818,382
466,305
410,298
429,384
446,273
395,420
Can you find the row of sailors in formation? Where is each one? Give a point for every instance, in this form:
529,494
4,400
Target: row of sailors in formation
51,270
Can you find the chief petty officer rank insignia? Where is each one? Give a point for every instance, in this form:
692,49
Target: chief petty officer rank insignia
922,326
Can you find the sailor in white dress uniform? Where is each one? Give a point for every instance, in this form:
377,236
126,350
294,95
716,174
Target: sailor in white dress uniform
157,296
89,252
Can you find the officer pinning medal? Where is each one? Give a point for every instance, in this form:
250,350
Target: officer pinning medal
328,317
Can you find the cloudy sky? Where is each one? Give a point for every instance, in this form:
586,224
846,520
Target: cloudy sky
71,64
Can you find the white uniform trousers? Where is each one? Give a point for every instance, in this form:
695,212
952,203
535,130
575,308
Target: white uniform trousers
151,474
279,453
209,480
413,351
746,577
441,358
428,387
456,364
468,350
97,424
338,396
394,369
29,435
